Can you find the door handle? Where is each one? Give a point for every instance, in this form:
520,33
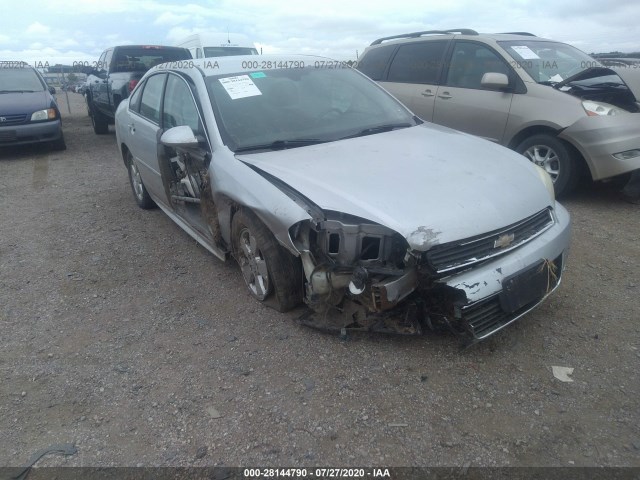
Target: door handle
132,128
428,93
445,95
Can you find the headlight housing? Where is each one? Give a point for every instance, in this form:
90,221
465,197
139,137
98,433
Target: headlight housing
595,109
43,115
546,179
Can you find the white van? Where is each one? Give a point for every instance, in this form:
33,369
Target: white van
218,45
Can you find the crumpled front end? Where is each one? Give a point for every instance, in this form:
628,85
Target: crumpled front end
609,144
364,276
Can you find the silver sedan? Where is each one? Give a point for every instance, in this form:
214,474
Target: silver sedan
327,191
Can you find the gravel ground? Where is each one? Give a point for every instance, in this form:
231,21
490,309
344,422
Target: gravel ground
124,337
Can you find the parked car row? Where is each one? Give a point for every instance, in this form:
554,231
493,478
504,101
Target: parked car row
329,191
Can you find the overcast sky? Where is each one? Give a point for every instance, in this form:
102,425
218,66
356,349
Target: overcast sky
57,31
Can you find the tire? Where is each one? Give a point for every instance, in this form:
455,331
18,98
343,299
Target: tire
555,157
60,144
99,122
140,193
273,276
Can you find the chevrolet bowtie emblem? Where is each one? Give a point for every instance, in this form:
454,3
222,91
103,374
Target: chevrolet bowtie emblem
504,240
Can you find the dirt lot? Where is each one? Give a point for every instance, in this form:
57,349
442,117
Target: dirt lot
121,335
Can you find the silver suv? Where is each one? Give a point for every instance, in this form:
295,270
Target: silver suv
547,100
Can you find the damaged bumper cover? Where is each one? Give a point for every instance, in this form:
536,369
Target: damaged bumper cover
475,302
609,144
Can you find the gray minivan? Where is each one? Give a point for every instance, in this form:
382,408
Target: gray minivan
547,100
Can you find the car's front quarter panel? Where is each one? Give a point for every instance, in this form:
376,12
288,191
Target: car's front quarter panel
541,106
235,184
599,138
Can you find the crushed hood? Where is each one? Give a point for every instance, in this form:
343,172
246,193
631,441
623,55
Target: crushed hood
429,183
631,77
617,86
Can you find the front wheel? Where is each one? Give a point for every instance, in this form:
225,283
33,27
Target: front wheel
553,156
272,274
140,193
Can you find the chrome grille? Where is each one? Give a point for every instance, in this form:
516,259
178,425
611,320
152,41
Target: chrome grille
462,253
7,120
487,316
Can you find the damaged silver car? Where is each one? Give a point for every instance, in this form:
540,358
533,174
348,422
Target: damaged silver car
329,192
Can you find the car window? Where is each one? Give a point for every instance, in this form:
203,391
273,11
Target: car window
151,96
107,59
101,64
417,63
179,107
141,59
20,80
374,63
134,101
470,61
548,62
300,103
228,51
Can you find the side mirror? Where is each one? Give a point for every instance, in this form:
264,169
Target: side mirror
494,81
52,90
181,136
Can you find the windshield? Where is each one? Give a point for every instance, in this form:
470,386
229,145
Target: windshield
299,106
228,51
548,62
141,59
20,80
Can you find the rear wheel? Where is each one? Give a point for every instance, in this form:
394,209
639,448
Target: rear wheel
553,156
272,274
140,193
99,121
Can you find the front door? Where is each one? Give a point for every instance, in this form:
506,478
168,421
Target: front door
463,104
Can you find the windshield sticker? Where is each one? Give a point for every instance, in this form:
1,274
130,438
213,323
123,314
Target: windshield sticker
556,78
240,87
525,52
258,75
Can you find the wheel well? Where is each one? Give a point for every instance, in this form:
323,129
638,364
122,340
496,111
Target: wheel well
124,150
540,129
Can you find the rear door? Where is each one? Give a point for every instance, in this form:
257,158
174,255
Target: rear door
414,74
144,133
462,103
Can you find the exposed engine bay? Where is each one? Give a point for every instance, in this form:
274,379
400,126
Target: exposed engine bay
601,84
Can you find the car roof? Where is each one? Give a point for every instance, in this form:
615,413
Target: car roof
214,66
455,33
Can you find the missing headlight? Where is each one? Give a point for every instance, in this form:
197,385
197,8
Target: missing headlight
334,244
370,248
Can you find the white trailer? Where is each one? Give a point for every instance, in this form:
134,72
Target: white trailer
218,45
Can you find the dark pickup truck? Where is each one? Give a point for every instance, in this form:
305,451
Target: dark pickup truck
118,71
